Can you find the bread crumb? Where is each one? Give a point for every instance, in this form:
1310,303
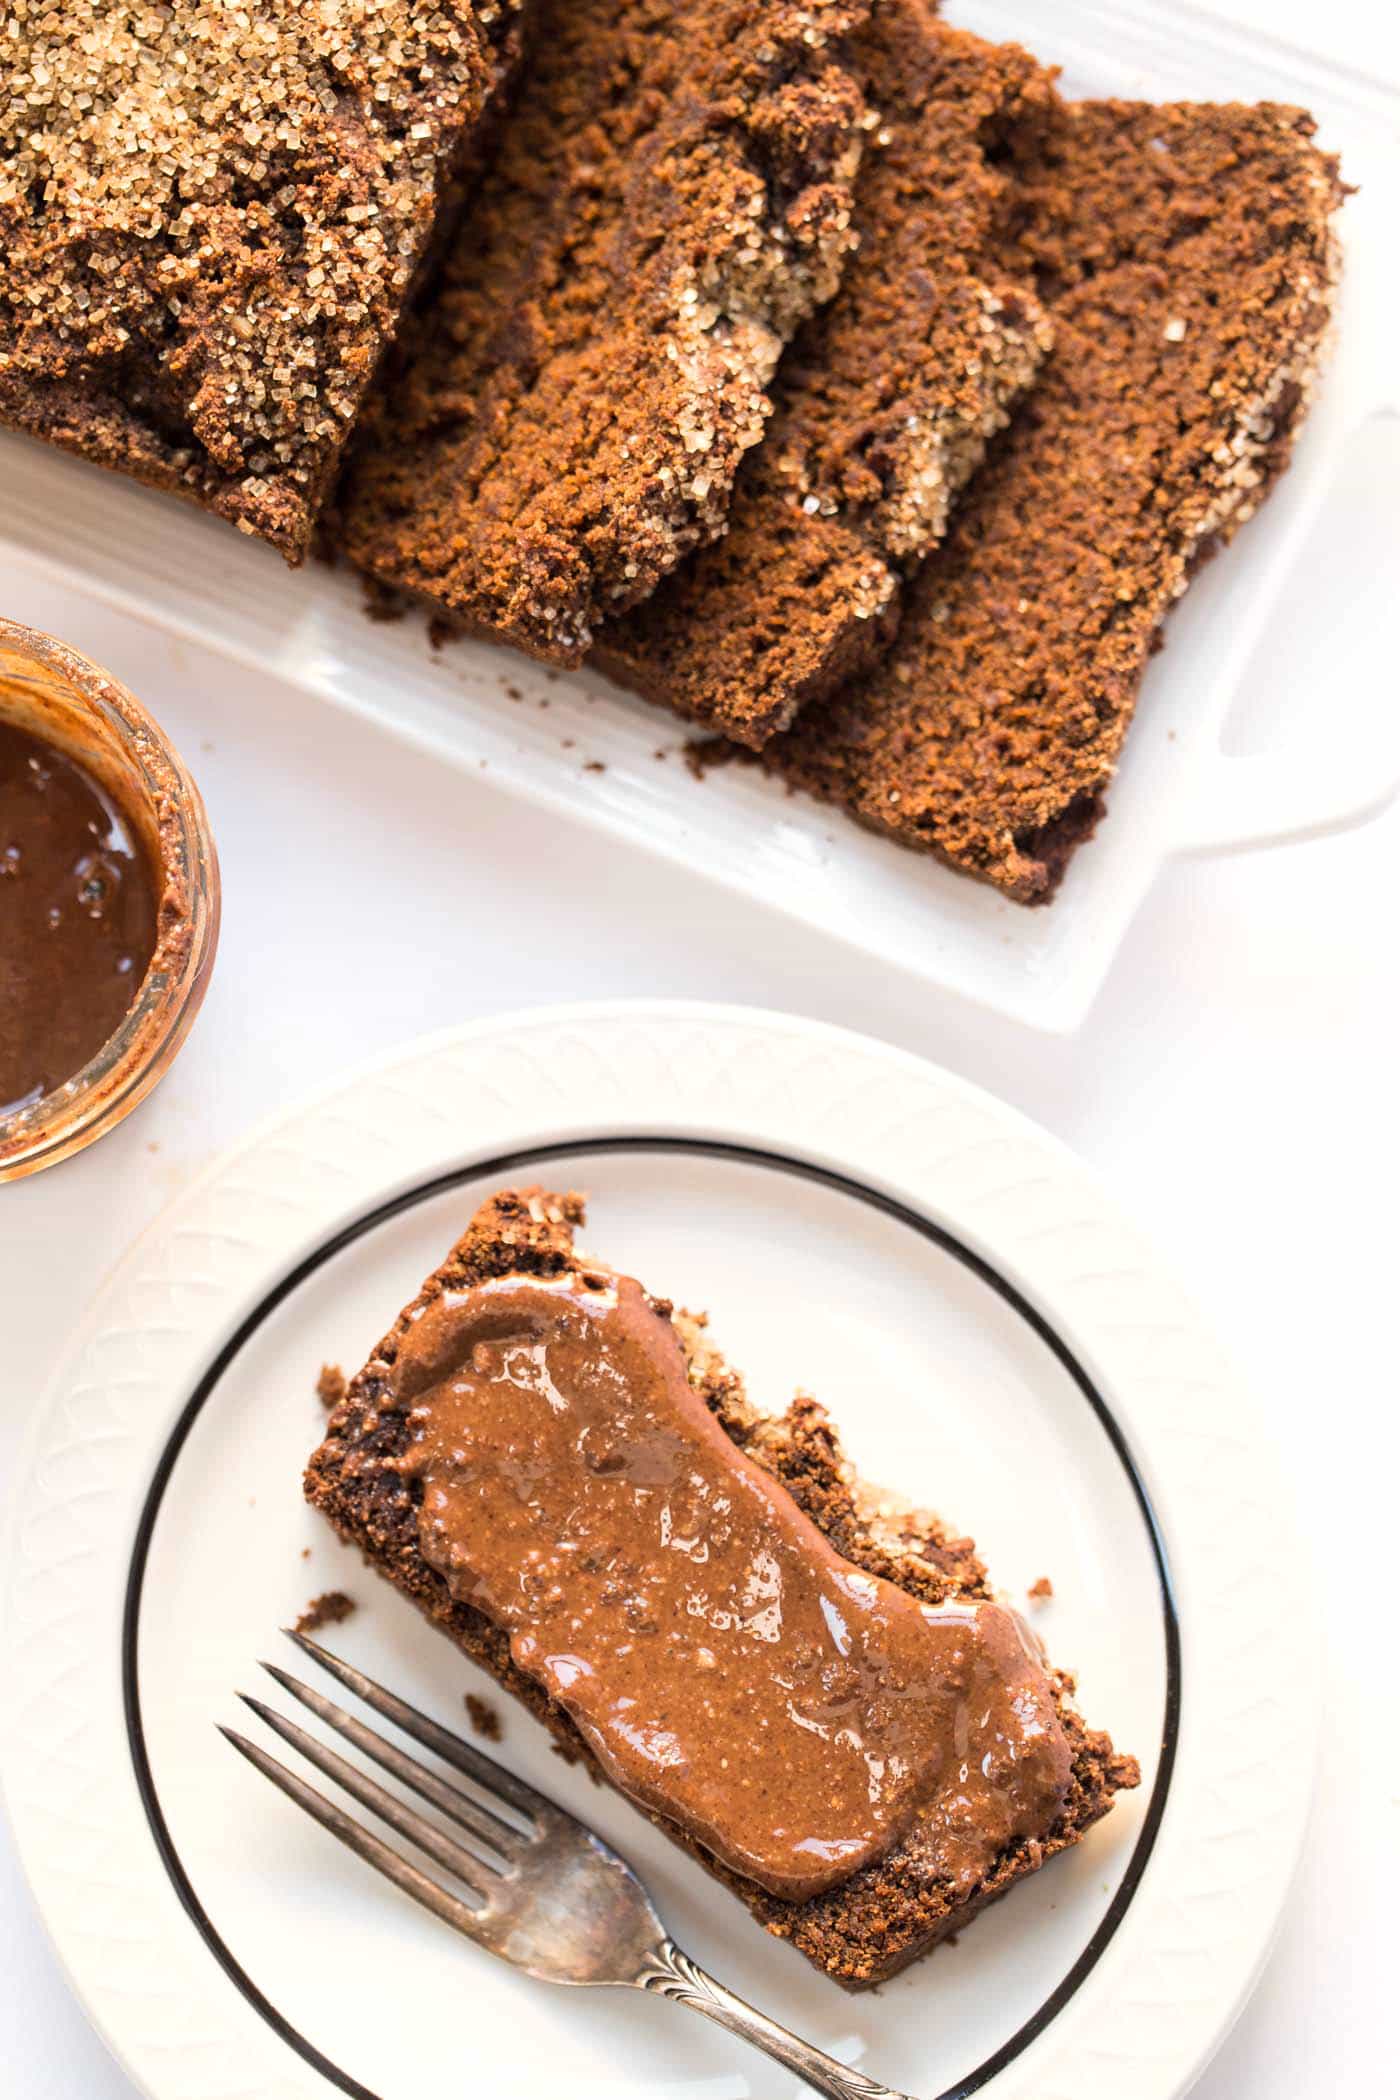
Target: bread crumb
572,1757
1041,1590
703,753
381,602
483,1716
331,1385
326,1610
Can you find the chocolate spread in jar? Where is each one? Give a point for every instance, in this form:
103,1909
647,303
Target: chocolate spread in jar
730,1669
78,913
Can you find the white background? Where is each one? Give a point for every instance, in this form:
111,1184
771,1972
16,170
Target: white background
1235,1086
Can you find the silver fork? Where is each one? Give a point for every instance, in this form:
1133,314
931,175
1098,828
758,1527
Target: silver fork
540,1889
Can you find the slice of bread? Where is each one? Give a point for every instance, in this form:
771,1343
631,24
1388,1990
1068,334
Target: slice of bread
883,404
1186,256
668,200
214,219
892,1911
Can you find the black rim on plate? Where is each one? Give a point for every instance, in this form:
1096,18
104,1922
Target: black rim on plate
503,1169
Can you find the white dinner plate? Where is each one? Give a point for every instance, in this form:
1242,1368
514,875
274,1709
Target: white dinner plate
991,1339
1294,613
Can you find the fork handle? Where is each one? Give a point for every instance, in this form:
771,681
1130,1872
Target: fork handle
672,1974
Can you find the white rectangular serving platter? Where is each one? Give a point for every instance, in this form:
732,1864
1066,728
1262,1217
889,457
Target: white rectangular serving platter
591,753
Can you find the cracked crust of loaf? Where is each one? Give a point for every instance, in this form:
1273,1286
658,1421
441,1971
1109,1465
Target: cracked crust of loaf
883,405
892,1911
1186,255
212,218
671,198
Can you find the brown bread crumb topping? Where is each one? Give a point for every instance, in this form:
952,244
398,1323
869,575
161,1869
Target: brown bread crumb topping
211,215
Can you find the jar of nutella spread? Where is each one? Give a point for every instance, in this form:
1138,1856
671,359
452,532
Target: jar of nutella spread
109,901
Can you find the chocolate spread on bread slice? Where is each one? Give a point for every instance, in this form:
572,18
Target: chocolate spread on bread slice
883,404
670,198
433,1430
728,1668
1186,256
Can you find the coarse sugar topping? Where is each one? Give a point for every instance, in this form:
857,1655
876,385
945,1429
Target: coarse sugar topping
211,216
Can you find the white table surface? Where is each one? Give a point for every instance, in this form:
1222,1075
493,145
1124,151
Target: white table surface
1235,1085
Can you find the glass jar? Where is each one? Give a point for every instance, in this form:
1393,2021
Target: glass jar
64,700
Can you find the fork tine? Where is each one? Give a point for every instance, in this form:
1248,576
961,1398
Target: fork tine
371,1795
482,1770
484,1826
404,1875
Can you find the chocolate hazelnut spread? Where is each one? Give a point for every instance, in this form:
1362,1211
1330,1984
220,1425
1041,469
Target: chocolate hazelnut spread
795,1714
78,917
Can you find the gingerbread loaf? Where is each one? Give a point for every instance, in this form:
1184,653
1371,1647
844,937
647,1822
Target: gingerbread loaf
212,218
888,1913
671,197
883,405
1186,256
